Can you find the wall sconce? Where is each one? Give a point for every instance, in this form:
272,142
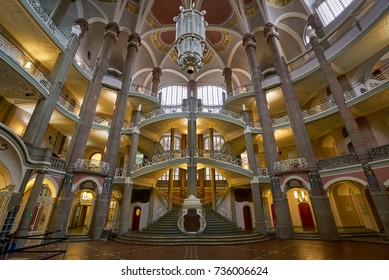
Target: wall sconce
27,65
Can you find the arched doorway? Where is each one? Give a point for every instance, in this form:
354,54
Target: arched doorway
82,211
247,218
353,208
300,208
306,216
136,218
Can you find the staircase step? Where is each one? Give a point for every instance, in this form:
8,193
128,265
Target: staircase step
166,232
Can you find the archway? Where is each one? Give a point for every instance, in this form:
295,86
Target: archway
300,206
136,218
82,211
352,207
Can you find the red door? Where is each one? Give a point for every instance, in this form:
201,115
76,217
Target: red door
136,219
247,218
306,216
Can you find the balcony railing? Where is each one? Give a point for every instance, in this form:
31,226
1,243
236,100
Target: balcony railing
91,165
293,164
45,18
357,90
381,152
200,153
27,65
336,162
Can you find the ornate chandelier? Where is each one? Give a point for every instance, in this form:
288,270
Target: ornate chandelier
190,39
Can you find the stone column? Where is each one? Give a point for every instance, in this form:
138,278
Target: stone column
350,124
88,108
39,121
315,22
284,221
113,142
227,73
30,207
84,125
171,172
300,133
183,172
60,10
320,202
157,72
192,167
63,206
212,172
260,225
201,191
124,221
367,132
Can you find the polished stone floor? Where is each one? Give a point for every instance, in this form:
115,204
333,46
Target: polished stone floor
363,249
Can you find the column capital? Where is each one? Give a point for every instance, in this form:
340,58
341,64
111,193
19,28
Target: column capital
249,40
227,72
270,30
83,25
157,72
311,33
112,29
134,41
314,21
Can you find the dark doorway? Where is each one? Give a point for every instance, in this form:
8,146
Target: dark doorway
136,219
247,218
306,217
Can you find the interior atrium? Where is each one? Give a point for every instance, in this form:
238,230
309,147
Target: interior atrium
194,121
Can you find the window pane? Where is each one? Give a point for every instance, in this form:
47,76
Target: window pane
336,6
325,13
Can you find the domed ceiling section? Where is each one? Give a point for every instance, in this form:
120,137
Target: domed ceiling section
279,3
217,14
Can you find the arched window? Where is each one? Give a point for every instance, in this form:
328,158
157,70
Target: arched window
165,142
328,10
212,98
218,142
172,96
96,156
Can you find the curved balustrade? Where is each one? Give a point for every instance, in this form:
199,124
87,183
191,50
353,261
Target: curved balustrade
30,68
153,113
335,162
91,165
262,172
169,155
359,89
84,66
142,90
224,212
242,90
41,13
200,153
292,164
381,152
160,212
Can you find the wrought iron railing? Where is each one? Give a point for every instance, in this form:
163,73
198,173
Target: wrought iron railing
335,162
91,165
20,58
290,164
381,152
